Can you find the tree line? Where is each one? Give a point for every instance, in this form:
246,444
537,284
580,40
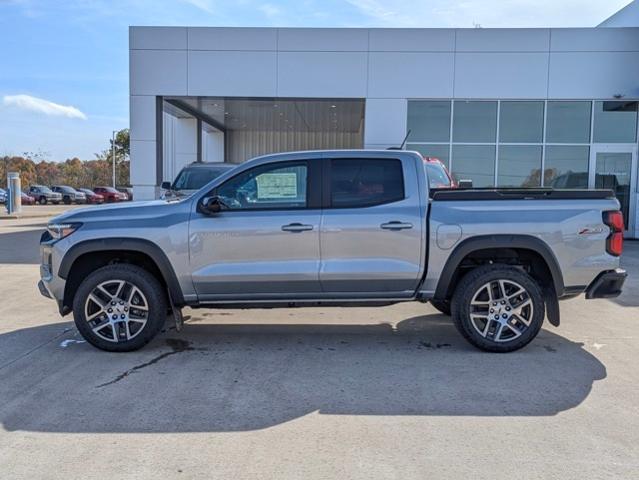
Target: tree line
74,172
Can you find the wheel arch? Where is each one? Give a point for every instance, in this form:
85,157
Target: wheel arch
151,255
451,270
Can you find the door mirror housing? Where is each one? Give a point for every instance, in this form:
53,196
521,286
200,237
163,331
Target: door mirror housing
466,183
211,205
166,186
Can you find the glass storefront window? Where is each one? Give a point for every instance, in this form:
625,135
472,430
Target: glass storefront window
615,122
475,122
437,151
566,166
521,122
519,166
476,163
429,121
568,122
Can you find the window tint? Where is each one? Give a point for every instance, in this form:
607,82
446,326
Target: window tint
366,182
521,122
566,166
519,166
568,122
476,163
429,121
475,122
615,122
274,186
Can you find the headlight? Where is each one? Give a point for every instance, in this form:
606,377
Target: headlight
61,230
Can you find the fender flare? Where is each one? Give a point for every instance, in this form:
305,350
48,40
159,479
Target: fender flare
499,241
131,244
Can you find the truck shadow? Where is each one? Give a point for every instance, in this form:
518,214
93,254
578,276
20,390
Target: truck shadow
232,377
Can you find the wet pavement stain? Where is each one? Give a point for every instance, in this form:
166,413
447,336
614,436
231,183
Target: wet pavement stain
177,346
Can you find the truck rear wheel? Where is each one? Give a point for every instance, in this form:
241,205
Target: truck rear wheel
498,308
119,308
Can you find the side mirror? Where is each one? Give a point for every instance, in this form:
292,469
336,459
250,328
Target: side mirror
166,186
211,205
465,183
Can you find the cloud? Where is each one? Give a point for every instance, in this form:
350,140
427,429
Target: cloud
40,105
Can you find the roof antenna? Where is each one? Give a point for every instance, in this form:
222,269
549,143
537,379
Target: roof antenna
401,147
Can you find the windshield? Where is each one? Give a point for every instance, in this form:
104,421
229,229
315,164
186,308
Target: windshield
109,189
195,178
86,190
436,174
44,189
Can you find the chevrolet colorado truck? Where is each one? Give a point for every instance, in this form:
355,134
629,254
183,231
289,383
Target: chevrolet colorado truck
334,228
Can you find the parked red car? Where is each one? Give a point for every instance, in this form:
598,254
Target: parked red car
438,174
27,199
92,197
110,194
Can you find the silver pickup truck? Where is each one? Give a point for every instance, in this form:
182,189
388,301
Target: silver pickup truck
345,227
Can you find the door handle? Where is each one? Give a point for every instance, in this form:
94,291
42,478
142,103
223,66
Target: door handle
296,227
395,225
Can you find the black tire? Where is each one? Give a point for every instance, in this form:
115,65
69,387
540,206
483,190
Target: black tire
151,289
67,201
42,200
443,307
471,285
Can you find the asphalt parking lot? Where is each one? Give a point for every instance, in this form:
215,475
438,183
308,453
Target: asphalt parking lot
390,392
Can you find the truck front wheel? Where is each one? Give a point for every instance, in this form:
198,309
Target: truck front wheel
498,308
119,308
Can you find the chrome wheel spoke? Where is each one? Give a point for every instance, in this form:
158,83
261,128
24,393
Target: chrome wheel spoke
97,301
95,315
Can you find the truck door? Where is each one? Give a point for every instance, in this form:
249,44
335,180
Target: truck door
372,226
265,242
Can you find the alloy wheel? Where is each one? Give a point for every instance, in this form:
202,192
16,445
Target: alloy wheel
116,310
501,310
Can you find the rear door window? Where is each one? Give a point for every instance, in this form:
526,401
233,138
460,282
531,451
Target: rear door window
364,182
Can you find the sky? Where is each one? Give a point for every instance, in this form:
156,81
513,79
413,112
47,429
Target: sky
64,63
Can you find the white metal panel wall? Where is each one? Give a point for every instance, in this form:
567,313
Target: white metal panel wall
374,64
243,144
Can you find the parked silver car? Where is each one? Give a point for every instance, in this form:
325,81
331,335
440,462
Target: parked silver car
43,195
193,177
70,194
344,227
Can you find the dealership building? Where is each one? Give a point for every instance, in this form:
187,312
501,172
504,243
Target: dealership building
543,107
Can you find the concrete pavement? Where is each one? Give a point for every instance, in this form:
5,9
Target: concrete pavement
389,392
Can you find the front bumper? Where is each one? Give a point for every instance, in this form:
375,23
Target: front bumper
608,284
50,285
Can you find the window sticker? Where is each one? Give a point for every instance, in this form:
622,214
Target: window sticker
272,186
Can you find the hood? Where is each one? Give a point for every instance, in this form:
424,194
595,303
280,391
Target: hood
125,211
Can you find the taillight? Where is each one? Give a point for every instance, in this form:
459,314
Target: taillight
614,242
